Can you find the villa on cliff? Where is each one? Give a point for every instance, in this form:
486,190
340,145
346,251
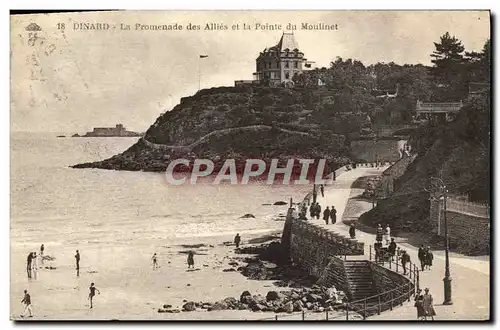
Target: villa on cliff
277,65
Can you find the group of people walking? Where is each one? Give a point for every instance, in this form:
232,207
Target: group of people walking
328,213
32,268
425,256
424,305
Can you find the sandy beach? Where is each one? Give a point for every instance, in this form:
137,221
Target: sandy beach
130,288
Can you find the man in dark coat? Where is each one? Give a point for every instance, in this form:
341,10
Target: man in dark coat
333,215
422,256
318,210
326,214
237,240
352,231
392,248
405,258
312,210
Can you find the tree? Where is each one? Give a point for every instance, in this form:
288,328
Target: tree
479,64
448,58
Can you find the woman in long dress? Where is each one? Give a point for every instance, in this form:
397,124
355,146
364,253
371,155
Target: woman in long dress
419,304
428,306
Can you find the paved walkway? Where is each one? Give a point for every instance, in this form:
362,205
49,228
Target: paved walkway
470,276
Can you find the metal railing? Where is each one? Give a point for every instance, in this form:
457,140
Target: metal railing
445,106
475,209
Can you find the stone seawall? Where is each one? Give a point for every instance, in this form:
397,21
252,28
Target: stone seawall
468,228
335,275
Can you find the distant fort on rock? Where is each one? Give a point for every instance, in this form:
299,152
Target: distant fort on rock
118,131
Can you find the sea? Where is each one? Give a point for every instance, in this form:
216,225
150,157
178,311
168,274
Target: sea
54,204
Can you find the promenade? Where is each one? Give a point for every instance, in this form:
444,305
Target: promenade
470,275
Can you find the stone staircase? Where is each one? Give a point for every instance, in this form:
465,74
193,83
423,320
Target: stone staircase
359,276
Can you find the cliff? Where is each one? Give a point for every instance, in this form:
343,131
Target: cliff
241,123
458,152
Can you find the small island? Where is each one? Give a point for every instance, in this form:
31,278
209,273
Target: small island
118,131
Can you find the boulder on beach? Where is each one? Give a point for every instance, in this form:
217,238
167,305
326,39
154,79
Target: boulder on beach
218,306
288,307
167,306
244,295
272,295
280,203
298,306
229,270
172,311
189,307
248,215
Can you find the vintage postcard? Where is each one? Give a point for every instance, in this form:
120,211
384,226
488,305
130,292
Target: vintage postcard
250,165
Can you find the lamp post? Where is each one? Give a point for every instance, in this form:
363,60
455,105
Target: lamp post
315,194
447,279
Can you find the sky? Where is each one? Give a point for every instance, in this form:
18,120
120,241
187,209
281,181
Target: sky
71,80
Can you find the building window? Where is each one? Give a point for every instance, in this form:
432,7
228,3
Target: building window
277,64
287,75
286,64
296,64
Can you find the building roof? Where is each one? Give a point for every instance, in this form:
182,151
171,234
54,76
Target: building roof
287,41
475,88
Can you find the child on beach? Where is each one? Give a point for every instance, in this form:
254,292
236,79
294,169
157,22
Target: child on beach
190,259
92,289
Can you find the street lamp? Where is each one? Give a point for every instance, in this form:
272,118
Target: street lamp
447,279
315,194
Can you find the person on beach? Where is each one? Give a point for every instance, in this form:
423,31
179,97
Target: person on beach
190,259
322,189
405,258
422,256
379,233
333,215
352,231
419,304
387,234
392,248
28,264
77,259
92,289
155,261
34,264
428,257
237,240
428,305
42,248
326,214
27,303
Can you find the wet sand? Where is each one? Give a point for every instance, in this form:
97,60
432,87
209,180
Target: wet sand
130,288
